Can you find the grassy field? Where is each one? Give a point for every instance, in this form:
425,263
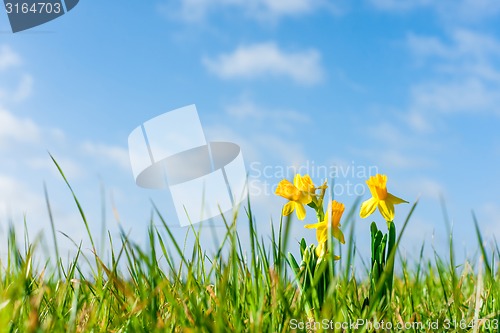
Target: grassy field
234,291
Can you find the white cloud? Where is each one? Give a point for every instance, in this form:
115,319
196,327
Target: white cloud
19,93
399,5
15,129
259,142
425,46
465,76
425,187
20,201
8,58
246,109
26,165
17,199
287,7
397,147
114,154
259,145
196,10
467,52
394,158
71,168
448,10
221,132
471,96
390,134
488,215
467,10
24,88
419,230
267,59
291,153
418,122
462,77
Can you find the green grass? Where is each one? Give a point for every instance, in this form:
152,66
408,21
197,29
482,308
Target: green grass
234,291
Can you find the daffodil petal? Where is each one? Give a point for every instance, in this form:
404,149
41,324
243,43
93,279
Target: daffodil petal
320,249
386,209
394,199
305,198
300,210
368,207
314,226
337,233
286,190
306,183
373,191
288,208
281,185
322,234
297,181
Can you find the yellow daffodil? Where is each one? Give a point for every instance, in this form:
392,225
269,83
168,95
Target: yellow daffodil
299,193
380,198
335,211
305,183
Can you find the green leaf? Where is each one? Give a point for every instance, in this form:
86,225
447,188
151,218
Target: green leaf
303,246
381,252
319,271
293,263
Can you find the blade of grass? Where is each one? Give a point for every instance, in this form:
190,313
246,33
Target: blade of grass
80,209
489,271
53,229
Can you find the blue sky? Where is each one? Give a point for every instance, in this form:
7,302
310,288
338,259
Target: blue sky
409,87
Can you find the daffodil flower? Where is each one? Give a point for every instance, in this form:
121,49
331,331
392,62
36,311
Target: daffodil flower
335,211
299,193
380,198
